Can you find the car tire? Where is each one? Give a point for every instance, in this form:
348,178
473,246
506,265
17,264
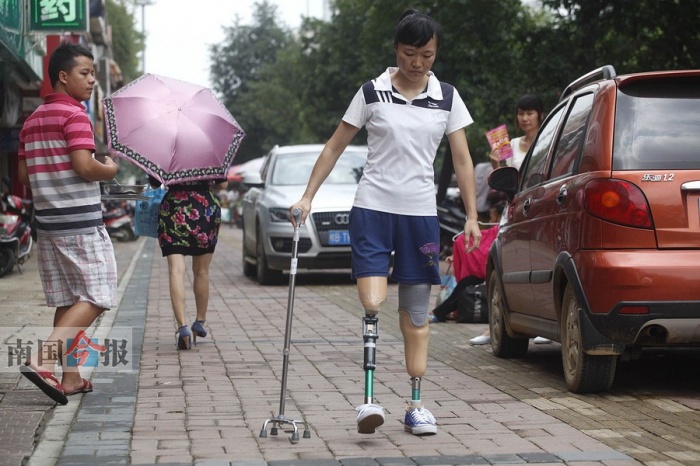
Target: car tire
503,345
264,274
583,372
126,234
8,259
249,269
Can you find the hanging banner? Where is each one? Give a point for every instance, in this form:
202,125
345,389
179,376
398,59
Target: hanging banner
58,15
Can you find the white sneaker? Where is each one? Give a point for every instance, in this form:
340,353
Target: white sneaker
541,341
369,417
419,421
480,340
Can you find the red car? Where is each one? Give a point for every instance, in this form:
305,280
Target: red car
599,248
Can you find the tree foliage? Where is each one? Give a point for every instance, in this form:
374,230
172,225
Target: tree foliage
632,35
286,87
238,66
127,41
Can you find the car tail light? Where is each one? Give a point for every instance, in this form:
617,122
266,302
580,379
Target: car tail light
619,202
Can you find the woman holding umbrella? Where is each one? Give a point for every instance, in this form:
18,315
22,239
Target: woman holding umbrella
188,225
185,138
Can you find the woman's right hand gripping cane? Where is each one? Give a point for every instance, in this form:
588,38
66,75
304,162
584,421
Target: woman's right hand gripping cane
302,205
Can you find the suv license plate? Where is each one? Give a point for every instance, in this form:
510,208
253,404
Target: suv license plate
338,237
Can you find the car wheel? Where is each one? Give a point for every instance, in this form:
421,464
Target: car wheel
502,344
265,275
583,372
7,260
126,234
249,269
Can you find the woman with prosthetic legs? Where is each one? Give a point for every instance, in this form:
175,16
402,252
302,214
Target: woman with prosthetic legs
407,111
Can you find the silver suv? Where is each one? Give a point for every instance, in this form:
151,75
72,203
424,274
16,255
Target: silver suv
324,242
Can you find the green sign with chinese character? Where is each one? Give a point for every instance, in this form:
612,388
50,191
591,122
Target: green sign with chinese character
58,15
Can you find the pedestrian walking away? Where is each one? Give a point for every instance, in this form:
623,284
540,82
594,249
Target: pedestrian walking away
406,111
188,225
75,254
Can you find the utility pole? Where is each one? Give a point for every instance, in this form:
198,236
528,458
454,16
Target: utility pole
143,4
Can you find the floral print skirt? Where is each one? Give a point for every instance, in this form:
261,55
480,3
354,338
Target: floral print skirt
188,222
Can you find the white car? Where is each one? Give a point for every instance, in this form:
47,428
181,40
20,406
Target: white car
324,242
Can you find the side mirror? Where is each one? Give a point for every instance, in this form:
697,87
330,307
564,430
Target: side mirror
252,179
505,179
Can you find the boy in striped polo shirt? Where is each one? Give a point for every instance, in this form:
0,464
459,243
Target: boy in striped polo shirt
76,258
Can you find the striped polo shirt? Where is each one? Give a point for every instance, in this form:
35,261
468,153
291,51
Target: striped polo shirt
403,137
65,203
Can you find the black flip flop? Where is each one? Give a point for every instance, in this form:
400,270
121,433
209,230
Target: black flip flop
39,378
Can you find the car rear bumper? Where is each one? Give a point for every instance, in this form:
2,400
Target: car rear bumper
642,298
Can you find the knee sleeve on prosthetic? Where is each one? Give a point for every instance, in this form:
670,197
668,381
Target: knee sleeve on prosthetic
415,299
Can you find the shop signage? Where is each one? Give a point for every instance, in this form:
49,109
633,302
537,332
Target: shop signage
58,15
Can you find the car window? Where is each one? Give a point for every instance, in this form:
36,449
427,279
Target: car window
535,167
295,169
265,168
348,169
574,133
657,125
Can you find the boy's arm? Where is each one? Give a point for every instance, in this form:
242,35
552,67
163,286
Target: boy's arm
22,173
91,169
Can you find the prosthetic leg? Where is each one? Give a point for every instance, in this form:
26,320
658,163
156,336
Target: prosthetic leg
413,320
372,291
415,346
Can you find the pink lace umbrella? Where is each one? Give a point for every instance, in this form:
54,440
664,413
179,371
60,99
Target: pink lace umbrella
174,130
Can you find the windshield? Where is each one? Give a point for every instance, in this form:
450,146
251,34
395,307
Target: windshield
295,168
656,125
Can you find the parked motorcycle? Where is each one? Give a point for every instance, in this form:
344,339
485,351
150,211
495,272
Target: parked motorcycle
451,217
16,238
118,220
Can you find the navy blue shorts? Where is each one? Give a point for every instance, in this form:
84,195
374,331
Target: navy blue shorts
414,240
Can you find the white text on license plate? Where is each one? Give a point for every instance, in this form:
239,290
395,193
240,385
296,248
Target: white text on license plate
338,237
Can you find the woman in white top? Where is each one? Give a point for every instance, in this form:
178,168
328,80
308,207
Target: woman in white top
407,111
529,116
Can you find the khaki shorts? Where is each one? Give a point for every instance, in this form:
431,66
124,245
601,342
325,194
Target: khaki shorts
76,268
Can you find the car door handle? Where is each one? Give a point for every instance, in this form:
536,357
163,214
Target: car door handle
526,205
561,197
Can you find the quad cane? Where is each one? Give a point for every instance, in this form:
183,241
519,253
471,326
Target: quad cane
280,419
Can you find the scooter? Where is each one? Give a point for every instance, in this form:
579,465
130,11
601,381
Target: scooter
118,222
451,217
16,239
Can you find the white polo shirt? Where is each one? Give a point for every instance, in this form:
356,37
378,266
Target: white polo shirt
403,138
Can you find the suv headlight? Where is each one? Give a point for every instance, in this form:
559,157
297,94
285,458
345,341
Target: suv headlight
279,214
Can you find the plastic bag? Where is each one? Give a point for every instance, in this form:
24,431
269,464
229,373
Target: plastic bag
472,305
449,282
146,213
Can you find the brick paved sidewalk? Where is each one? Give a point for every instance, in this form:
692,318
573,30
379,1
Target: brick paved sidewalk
24,410
208,405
